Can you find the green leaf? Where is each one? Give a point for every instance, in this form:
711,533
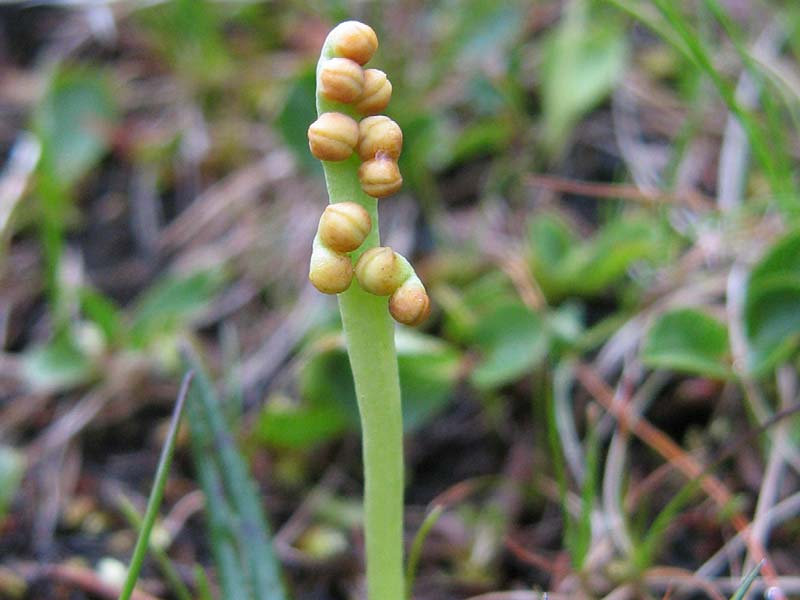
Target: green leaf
689,341
428,372
57,365
581,64
783,260
566,325
772,322
12,468
592,267
487,136
299,111
326,382
74,122
550,239
188,33
513,341
481,295
103,312
487,28
415,552
771,314
474,30
171,303
580,531
565,266
284,424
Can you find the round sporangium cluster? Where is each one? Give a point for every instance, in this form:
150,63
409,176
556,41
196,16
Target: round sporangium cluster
384,272
333,136
343,227
378,141
342,79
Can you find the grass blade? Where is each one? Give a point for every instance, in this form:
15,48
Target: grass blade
701,57
156,495
222,533
588,492
251,531
558,460
201,581
747,582
164,564
416,546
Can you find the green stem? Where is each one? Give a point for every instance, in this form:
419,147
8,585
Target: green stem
369,333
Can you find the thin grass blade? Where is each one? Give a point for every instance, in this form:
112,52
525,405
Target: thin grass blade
747,582
416,546
157,494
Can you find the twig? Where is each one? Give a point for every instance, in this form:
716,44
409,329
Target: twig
520,595
677,577
789,584
735,149
14,179
87,580
773,475
233,193
614,475
651,197
670,451
781,512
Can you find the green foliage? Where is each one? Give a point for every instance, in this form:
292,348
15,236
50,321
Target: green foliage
299,110
493,67
169,304
578,534
158,319
74,122
102,311
647,548
286,424
57,365
473,31
771,315
487,316
12,469
690,341
676,28
566,266
513,341
428,370
465,307
582,62
428,373
486,136
187,33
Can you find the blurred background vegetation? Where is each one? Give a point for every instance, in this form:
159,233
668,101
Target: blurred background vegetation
602,199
